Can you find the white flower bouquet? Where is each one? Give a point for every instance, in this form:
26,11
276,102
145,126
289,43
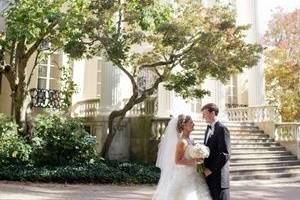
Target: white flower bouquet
199,151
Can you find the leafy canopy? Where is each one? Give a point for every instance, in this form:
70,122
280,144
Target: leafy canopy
283,64
180,44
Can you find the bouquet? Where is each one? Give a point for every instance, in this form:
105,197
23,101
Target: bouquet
199,151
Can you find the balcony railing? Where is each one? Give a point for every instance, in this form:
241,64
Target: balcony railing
45,98
86,108
147,107
91,108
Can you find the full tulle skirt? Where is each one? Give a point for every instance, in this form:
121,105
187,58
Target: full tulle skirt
183,183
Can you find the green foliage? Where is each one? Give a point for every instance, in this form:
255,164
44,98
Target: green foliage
198,40
13,148
67,86
52,21
98,172
283,64
29,25
60,140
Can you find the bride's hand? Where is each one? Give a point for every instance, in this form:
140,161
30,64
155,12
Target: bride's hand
198,160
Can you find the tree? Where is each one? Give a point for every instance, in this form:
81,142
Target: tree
183,45
283,64
29,25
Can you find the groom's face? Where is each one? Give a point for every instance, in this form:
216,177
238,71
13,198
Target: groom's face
208,116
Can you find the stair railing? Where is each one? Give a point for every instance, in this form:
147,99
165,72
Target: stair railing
158,126
253,114
287,131
288,134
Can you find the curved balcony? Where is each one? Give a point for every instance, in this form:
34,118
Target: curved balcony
45,98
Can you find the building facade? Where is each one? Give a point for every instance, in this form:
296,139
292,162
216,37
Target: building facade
113,88
98,79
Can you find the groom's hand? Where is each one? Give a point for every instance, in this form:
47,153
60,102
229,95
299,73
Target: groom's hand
207,172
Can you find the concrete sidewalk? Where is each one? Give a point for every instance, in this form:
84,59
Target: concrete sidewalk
39,191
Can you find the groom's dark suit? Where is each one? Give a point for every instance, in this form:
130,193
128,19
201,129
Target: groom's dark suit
218,161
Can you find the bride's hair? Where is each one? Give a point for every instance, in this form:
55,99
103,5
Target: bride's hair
182,119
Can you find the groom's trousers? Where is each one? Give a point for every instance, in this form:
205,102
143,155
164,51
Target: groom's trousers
224,194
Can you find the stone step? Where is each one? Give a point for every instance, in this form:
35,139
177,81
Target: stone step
240,137
228,124
265,169
238,144
251,164
235,129
267,176
245,159
233,132
256,149
246,144
259,153
241,141
272,181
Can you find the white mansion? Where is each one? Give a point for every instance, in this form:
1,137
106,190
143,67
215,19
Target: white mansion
103,88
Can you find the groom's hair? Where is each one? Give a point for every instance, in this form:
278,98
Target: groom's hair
211,107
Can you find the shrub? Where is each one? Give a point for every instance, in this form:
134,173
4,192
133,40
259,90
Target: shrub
61,140
98,172
13,147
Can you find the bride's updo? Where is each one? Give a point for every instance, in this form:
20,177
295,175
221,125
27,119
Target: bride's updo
182,119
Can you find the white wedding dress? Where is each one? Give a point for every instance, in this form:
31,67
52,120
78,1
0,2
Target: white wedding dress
184,184
177,182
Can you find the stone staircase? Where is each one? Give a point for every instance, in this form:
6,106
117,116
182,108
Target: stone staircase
254,155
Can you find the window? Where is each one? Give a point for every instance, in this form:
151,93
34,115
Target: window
48,72
231,91
196,105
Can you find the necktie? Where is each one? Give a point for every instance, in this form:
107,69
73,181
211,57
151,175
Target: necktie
209,132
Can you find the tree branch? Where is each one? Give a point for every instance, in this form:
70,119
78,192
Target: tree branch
34,47
33,68
12,54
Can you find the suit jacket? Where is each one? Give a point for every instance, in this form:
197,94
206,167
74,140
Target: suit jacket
218,160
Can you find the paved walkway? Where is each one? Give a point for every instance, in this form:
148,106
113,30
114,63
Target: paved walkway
34,191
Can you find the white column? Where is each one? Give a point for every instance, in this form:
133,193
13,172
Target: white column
246,14
217,96
110,88
164,101
78,78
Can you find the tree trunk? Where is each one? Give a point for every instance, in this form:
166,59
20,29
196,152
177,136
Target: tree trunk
111,133
112,126
134,99
18,96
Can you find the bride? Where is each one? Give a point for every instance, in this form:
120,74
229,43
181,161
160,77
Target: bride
179,179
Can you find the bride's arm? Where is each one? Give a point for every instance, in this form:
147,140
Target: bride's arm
179,156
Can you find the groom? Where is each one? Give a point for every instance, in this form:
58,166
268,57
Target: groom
217,164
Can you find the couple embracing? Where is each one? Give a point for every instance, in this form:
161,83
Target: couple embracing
180,179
